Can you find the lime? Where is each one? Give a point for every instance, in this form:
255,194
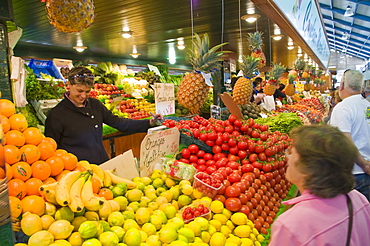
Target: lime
88,229
117,191
132,237
116,219
120,232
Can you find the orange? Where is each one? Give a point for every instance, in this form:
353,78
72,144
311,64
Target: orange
56,164
22,170
2,173
12,154
17,188
97,184
46,150
9,172
5,122
33,204
7,108
41,170
51,141
70,161
15,137
33,135
33,185
15,206
61,174
49,180
30,153
60,152
18,122
106,193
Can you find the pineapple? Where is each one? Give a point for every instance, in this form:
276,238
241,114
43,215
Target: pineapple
243,87
70,15
299,64
290,88
255,45
275,73
193,90
307,85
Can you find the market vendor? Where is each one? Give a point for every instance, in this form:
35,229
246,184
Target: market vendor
76,123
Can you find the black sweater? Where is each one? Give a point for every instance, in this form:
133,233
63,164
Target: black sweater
79,130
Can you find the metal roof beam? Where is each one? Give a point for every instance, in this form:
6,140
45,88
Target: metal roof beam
363,2
355,54
341,11
346,23
350,46
344,30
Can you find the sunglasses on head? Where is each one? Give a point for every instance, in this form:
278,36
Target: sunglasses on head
83,76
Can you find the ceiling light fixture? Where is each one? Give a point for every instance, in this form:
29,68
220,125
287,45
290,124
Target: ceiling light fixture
180,44
277,37
250,18
134,53
349,12
290,47
80,48
345,36
127,34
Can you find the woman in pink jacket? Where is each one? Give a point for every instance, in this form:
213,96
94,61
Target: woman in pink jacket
320,165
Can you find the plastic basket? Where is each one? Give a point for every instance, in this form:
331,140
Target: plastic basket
206,189
46,67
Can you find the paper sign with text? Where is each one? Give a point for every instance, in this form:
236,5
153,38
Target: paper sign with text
155,146
164,94
154,69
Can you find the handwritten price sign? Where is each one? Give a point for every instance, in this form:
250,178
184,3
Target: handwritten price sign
155,146
164,94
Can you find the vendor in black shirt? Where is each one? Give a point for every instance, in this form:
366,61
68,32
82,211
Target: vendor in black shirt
279,92
257,95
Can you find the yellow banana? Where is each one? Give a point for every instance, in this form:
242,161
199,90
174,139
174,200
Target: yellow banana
97,170
50,197
107,181
116,179
76,204
45,187
90,201
64,186
84,164
105,211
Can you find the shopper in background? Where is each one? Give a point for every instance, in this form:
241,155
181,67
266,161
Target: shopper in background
366,90
336,99
352,117
320,164
76,123
279,94
257,95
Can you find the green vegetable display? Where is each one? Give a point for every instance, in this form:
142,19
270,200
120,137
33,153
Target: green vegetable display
29,112
283,122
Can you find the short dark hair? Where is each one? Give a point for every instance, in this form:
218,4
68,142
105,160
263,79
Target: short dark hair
326,157
81,75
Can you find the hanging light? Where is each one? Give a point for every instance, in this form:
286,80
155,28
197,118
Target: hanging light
180,43
80,48
250,18
134,53
349,12
127,34
277,34
290,44
345,36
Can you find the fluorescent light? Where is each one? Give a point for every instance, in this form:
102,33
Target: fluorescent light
349,12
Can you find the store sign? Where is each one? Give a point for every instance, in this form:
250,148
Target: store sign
155,146
305,18
164,94
154,69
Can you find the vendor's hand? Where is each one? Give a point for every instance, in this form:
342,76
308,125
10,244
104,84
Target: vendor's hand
156,120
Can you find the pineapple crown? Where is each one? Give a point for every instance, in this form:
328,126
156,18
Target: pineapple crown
255,40
319,81
203,58
292,78
249,65
276,71
299,64
320,73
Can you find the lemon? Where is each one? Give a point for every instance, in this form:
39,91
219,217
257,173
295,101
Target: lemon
256,243
205,236
182,238
144,201
91,216
187,233
187,190
203,222
88,229
255,231
217,239
184,200
62,242
142,216
184,182
108,238
170,211
162,215
197,194
77,221
119,231
31,223
123,186
130,223
260,238
144,236
149,229
50,208
175,192
134,205
117,191
242,231
239,218
195,227
175,204
220,217
122,202
146,180
216,223
217,207
225,230
105,225
230,224
177,222
134,195
129,215
41,238
46,220
161,200
227,213
158,182
178,243
211,229
169,182
115,207
61,229
153,240
156,220
75,239
153,205
247,242
168,195
64,213
252,237
116,219
167,234
92,242
234,239
132,237
230,244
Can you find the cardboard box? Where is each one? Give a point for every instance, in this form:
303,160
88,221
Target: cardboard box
123,165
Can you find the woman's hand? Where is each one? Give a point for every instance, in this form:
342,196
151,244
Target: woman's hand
156,120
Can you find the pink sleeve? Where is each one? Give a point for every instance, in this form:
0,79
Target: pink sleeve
280,235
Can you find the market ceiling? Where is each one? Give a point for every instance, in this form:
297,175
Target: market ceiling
157,26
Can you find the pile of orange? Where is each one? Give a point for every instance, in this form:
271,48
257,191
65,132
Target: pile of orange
31,160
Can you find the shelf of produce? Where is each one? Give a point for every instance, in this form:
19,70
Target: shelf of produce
118,143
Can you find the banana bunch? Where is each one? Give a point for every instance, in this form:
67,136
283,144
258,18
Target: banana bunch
108,178
47,191
116,179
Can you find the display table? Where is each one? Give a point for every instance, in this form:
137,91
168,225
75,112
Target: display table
118,143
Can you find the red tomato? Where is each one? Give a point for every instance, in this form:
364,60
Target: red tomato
232,142
257,165
242,186
229,129
233,165
264,128
232,118
247,168
185,153
200,153
233,150
232,191
244,128
193,148
211,169
233,204
208,156
201,162
244,209
259,149
210,163
242,154
252,158
193,158
225,147
242,145
266,167
234,177
216,149
262,156
212,136
184,160
255,134
219,198
264,136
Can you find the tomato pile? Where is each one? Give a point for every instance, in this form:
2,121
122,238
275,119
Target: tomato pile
206,184
190,213
247,159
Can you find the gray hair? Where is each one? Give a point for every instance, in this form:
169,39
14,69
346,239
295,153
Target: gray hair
366,86
353,80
